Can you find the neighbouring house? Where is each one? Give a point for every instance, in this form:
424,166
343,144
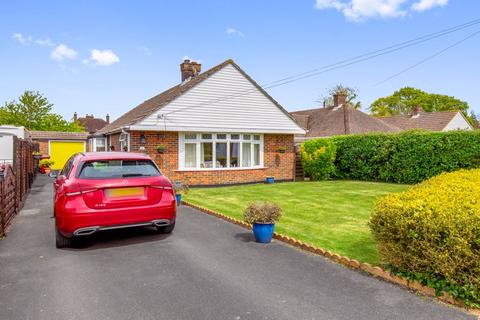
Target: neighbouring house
7,148
216,127
90,123
339,119
432,121
60,145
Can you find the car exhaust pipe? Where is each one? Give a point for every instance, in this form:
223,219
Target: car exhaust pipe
85,231
161,223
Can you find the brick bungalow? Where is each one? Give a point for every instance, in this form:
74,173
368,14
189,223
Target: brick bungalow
341,119
431,121
92,125
338,119
216,127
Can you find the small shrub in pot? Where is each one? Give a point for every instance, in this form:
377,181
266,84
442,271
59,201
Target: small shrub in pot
262,215
180,188
262,212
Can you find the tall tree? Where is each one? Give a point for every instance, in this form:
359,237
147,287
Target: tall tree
404,100
351,93
474,121
34,112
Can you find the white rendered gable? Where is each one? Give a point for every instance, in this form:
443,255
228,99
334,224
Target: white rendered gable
225,102
458,123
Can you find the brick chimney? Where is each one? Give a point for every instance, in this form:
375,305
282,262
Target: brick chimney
189,69
75,116
339,99
107,118
416,111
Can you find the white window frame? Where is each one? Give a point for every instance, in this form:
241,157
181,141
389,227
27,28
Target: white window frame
198,140
93,144
124,139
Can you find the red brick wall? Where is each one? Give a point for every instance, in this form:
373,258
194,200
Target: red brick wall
43,146
113,140
279,165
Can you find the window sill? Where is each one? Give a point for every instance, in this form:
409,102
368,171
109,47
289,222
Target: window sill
220,169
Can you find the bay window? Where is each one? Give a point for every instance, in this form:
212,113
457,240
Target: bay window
98,144
210,151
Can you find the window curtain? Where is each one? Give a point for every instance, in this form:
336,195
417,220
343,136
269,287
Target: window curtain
190,155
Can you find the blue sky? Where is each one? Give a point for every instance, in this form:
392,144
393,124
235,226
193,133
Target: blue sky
108,56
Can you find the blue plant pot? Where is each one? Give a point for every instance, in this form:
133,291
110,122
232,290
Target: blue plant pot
179,199
269,179
263,232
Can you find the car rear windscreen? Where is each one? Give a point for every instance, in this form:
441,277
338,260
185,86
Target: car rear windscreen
111,169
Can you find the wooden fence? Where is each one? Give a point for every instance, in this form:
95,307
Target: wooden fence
15,181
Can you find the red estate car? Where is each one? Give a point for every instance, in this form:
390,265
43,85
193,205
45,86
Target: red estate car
110,190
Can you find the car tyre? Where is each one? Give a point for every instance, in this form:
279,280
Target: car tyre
166,229
61,241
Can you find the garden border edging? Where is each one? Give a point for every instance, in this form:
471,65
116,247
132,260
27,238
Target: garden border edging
375,271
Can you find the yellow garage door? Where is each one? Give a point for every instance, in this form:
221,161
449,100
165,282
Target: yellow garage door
61,151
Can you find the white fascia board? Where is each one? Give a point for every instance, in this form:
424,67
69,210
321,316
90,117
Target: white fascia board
216,129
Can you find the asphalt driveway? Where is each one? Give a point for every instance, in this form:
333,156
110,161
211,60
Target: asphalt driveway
207,269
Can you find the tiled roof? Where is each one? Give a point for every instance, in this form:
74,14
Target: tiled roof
326,122
433,121
91,124
57,135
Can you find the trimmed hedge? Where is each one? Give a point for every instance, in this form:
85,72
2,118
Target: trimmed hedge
431,232
317,158
407,157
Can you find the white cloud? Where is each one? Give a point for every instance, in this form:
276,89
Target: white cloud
423,5
62,52
104,57
234,32
20,38
359,10
44,42
146,50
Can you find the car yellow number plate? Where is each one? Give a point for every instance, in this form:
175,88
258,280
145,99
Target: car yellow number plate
125,192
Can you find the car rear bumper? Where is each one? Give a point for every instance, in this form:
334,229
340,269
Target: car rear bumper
91,230
85,223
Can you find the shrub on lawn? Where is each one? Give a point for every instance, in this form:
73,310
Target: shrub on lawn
407,157
262,212
318,156
431,232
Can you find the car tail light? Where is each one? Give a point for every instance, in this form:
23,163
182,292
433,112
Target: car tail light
162,187
78,191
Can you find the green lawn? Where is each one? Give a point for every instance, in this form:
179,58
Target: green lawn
329,214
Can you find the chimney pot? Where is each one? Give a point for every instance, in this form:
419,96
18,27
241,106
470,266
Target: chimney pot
189,69
107,118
